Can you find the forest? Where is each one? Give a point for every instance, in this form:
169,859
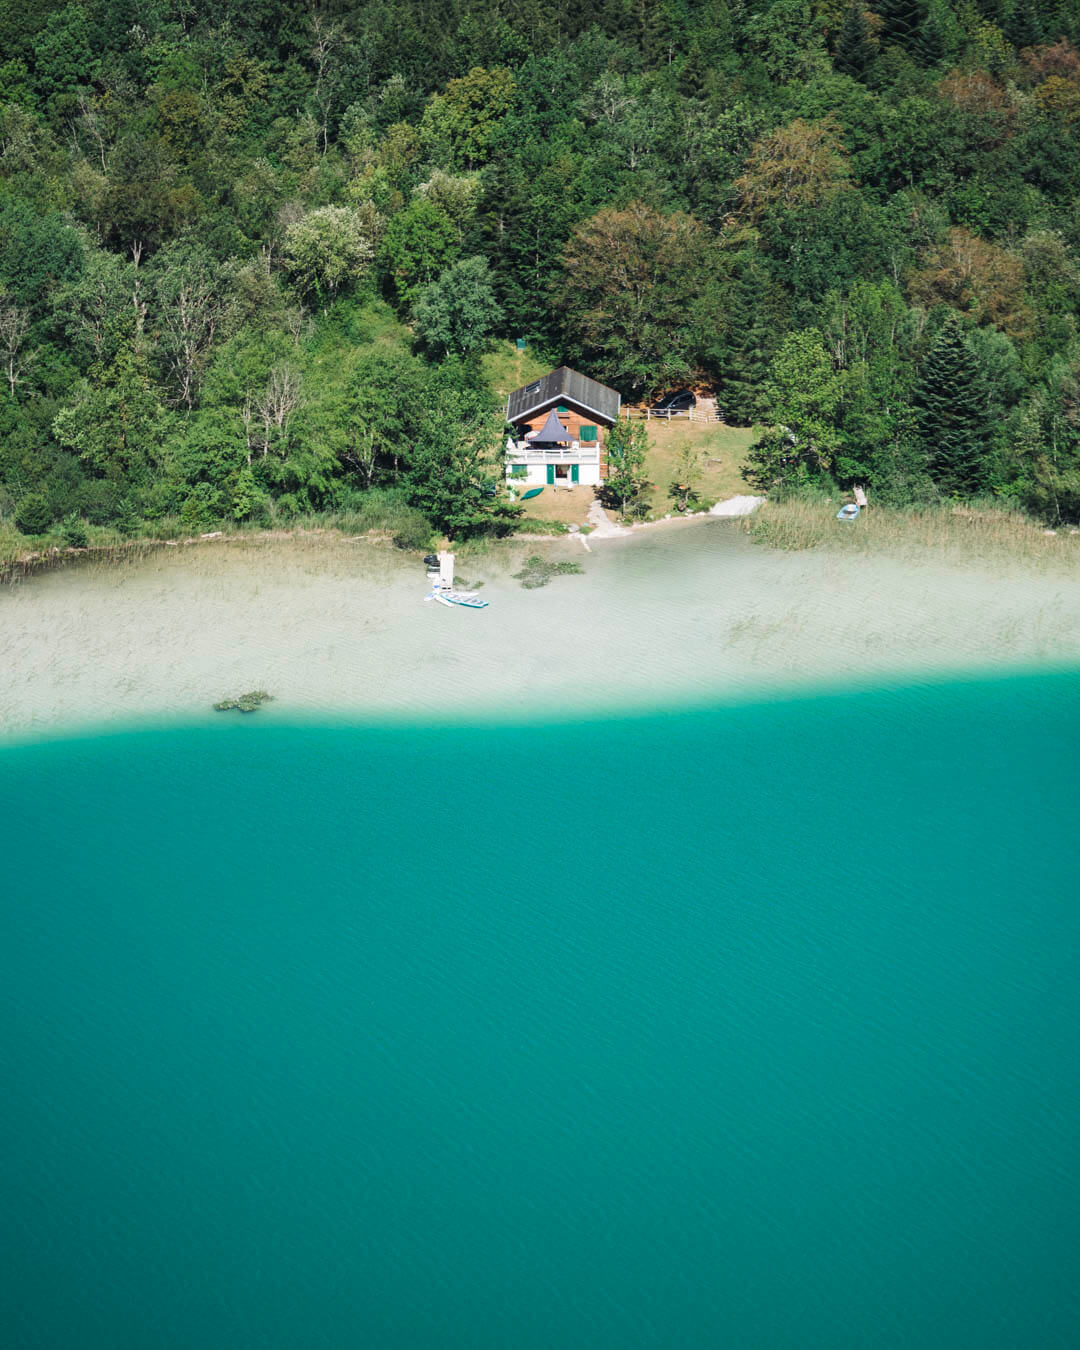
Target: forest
251,255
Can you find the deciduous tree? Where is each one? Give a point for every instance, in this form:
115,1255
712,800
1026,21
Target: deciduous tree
331,248
977,278
457,313
456,470
799,165
627,296
383,413
117,425
469,112
626,447
16,357
420,242
192,303
803,397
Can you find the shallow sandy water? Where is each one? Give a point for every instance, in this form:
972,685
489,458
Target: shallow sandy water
666,616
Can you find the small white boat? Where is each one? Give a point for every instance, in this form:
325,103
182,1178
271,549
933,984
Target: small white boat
467,599
849,512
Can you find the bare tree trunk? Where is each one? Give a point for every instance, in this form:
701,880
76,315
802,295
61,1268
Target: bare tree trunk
139,305
247,414
276,406
326,37
14,326
90,121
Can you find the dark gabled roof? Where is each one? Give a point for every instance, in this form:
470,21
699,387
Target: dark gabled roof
566,384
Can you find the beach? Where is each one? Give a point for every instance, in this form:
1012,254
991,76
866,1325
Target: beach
659,618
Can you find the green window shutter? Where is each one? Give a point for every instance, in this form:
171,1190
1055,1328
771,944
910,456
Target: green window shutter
562,408
587,434
551,473
574,473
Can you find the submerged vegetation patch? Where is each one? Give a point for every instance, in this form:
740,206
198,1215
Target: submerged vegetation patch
245,703
538,572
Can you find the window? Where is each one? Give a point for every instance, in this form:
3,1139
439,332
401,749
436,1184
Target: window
519,471
562,408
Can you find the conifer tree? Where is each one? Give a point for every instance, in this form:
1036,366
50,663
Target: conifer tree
744,357
953,413
694,73
932,38
658,31
855,47
902,23
1023,25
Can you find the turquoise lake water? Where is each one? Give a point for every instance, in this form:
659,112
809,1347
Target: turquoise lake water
748,1026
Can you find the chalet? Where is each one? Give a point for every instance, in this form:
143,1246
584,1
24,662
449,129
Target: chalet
559,423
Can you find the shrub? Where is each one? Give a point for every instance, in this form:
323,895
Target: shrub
388,509
33,514
99,502
74,531
159,500
536,525
127,518
201,508
413,532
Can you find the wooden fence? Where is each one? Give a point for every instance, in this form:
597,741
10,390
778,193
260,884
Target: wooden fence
672,415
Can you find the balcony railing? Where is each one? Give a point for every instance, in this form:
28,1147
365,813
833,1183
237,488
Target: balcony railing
521,453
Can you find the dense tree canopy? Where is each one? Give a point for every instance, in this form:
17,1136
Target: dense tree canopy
250,255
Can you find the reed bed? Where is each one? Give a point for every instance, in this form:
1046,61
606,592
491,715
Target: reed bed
979,533
21,557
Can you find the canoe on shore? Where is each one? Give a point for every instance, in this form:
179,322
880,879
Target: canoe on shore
467,599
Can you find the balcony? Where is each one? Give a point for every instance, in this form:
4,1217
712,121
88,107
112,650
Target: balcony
519,452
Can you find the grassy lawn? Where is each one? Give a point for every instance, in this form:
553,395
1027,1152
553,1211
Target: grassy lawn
570,505
506,369
723,449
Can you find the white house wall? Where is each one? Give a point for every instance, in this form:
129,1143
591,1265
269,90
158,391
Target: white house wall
533,477
588,476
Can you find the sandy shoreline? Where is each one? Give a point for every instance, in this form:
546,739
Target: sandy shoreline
331,624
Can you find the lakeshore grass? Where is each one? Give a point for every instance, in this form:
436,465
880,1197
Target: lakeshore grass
379,514
981,532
